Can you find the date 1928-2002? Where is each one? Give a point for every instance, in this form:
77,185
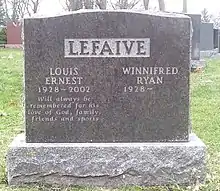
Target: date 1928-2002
75,89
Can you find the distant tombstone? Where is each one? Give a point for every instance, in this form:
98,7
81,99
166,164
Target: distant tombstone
215,38
107,102
14,33
196,24
219,41
206,36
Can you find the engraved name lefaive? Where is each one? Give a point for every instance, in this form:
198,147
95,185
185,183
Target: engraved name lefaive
114,47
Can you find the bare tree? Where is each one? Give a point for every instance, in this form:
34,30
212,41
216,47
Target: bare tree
216,21
17,9
184,6
161,4
124,4
146,4
20,8
102,4
66,5
5,9
205,16
32,6
73,5
88,4
2,14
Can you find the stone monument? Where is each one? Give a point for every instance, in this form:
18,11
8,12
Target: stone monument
206,36
195,44
107,102
196,62
219,41
206,41
215,38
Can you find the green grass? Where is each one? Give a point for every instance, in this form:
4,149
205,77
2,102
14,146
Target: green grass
205,114
10,101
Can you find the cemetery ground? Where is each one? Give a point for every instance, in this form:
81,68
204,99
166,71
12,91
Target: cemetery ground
205,114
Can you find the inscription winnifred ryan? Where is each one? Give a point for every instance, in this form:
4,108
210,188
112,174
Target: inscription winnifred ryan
104,89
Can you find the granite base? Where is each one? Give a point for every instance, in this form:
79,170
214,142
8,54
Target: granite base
106,164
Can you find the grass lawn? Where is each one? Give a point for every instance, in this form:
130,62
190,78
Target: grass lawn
205,114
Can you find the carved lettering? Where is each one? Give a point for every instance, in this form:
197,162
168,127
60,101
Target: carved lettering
113,47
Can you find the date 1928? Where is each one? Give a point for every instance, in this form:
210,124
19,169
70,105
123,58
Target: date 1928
130,89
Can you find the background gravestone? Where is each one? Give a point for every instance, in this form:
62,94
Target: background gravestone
196,24
215,38
107,98
196,62
206,36
219,42
120,77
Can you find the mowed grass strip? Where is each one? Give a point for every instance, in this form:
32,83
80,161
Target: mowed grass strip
11,68
205,114
205,104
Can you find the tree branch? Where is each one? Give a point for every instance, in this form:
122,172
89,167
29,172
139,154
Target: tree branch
146,4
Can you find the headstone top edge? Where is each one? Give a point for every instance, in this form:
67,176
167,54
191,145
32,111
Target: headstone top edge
207,22
19,142
196,14
84,11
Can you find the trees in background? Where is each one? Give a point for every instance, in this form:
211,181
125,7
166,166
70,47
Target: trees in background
101,4
205,16
17,9
216,21
2,13
88,4
146,4
73,5
184,6
161,4
2,23
124,4
32,6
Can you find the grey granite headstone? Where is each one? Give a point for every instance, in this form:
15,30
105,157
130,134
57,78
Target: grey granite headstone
215,38
206,37
107,77
219,43
196,23
120,77
196,62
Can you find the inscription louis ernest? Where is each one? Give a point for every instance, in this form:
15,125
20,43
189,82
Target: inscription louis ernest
83,108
